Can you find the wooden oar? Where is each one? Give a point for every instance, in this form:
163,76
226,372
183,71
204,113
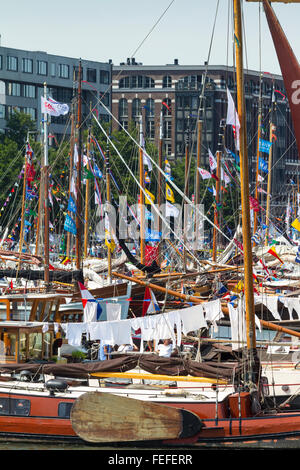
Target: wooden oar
105,417
162,377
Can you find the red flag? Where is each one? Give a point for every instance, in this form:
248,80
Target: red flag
147,300
273,252
254,204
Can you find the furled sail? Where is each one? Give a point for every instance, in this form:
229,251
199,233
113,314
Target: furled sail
289,65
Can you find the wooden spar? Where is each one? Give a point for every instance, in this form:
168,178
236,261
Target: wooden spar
215,235
78,183
246,224
87,197
269,174
197,300
162,377
142,198
105,417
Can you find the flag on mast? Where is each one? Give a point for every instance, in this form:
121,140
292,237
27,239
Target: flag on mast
52,107
233,119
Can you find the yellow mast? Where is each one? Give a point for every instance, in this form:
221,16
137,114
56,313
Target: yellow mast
246,225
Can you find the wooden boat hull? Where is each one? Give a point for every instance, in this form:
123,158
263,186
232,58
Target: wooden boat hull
221,423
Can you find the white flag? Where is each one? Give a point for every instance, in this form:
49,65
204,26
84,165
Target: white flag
171,210
233,119
204,173
212,161
52,107
225,177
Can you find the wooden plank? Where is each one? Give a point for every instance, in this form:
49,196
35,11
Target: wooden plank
105,417
169,378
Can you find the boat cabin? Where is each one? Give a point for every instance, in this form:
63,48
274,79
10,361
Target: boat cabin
26,341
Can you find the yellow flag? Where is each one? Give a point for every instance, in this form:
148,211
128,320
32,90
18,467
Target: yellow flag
169,194
109,242
239,287
296,225
151,196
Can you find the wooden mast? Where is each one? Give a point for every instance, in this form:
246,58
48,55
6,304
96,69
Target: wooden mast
257,155
246,225
108,201
159,184
269,172
142,198
87,197
186,193
46,197
215,235
72,143
78,183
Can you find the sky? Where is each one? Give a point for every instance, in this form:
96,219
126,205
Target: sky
155,32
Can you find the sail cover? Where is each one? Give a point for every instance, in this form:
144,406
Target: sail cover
289,65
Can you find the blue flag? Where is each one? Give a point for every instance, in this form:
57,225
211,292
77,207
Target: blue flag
97,171
297,259
262,165
70,225
72,205
264,145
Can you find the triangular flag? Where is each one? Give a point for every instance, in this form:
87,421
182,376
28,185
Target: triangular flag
296,224
272,251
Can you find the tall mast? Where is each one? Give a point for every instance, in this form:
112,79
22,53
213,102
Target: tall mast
46,196
159,183
108,200
257,153
142,199
87,197
78,184
72,143
215,234
186,193
246,226
270,171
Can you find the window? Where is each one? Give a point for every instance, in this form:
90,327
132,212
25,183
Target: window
14,89
166,107
52,70
63,71
123,108
12,63
136,108
31,112
150,107
42,67
2,111
1,62
105,99
14,406
104,77
29,91
150,129
91,75
167,82
27,65
167,126
64,410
